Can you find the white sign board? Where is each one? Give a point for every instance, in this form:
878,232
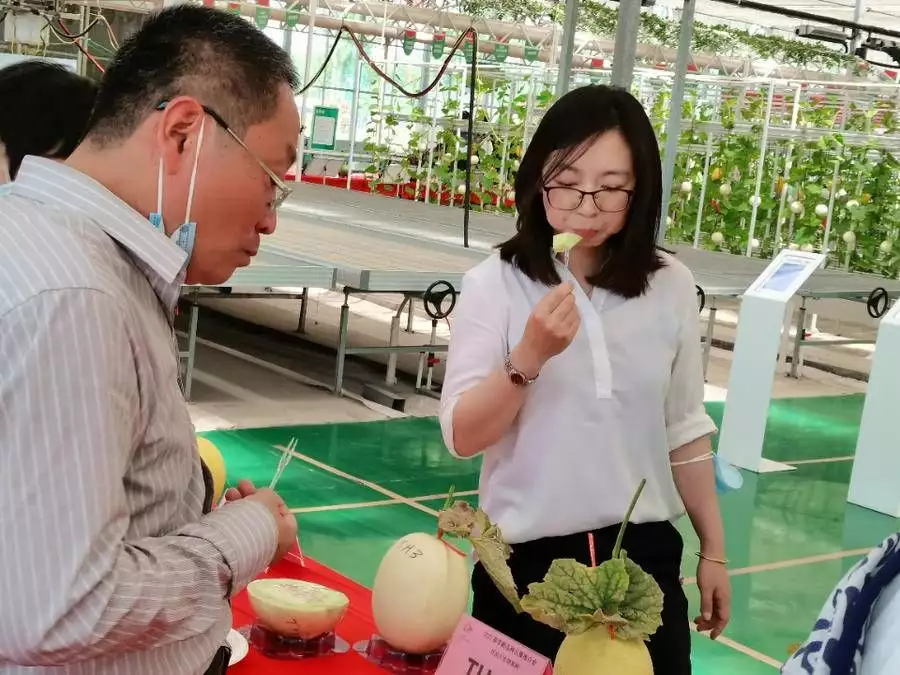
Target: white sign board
893,315
873,482
784,276
755,359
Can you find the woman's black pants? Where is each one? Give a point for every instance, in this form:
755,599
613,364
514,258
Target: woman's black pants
656,547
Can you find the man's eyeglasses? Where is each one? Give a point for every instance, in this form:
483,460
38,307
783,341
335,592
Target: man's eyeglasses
607,200
282,191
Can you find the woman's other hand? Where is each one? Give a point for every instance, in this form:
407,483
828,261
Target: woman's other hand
715,598
552,326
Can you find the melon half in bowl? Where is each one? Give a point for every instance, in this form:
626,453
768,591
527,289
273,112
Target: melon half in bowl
297,609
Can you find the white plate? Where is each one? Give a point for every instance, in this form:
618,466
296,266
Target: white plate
239,647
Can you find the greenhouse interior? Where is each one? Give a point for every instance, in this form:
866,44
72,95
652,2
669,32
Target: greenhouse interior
351,370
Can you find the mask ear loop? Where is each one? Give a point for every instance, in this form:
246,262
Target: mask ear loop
190,202
159,188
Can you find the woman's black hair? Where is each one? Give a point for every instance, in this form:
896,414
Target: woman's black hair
627,259
45,110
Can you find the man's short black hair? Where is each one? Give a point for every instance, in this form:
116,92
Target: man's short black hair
44,110
628,259
217,57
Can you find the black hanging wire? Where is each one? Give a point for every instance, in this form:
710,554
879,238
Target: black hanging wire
67,37
400,87
59,29
365,57
337,39
473,81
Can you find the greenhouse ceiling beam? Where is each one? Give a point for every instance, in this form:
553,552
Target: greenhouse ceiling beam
808,16
439,20
436,20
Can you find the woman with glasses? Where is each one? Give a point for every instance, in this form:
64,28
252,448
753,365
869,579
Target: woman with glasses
575,377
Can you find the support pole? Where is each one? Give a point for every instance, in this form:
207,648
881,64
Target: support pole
287,39
760,168
567,51
307,69
343,337
470,149
857,35
81,60
673,127
626,43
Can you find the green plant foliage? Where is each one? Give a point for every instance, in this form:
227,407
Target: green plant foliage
837,133
797,187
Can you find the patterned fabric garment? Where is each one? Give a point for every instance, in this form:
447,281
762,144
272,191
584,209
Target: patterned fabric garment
837,645
108,564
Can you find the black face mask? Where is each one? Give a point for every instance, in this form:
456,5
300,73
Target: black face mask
219,665
208,484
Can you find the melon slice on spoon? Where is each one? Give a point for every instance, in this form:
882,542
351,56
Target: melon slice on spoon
565,242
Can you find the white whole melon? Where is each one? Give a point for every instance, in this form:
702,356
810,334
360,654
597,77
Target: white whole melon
296,609
421,592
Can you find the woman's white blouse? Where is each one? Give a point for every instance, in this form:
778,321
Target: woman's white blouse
603,414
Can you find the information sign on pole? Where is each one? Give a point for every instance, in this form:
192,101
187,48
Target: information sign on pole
873,482
755,359
324,128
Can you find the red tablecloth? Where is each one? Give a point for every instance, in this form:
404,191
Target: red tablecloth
356,625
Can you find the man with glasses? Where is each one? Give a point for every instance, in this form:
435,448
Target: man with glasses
109,563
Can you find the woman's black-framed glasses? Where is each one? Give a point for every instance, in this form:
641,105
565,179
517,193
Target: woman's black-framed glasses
282,191
607,200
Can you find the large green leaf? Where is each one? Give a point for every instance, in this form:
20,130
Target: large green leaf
462,520
574,598
642,606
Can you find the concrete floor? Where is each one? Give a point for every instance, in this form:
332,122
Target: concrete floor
353,501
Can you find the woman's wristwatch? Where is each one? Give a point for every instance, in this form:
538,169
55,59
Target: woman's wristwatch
517,377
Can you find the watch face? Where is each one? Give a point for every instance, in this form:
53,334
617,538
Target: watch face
517,379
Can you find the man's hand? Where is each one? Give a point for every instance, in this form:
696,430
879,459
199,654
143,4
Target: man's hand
287,523
244,489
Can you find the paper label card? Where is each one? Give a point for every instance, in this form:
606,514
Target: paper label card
477,649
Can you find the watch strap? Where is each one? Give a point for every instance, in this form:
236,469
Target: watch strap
517,377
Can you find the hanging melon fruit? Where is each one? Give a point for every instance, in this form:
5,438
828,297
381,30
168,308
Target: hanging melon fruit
607,612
